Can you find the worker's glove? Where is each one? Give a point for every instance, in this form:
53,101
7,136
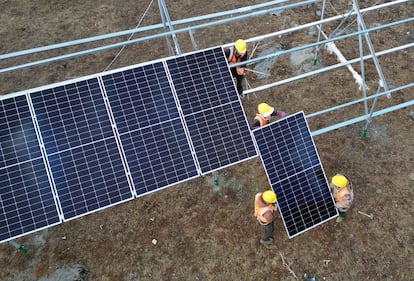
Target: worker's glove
281,114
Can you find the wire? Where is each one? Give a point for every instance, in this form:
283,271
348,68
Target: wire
130,37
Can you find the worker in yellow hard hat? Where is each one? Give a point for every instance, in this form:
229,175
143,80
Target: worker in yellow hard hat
236,54
265,112
343,194
264,211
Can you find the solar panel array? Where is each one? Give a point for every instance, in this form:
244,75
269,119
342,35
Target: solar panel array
82,146
295,174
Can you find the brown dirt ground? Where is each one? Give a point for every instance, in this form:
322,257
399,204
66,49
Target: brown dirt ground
210,234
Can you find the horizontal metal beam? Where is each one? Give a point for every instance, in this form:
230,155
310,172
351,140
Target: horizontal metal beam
326,69
311,45
160,26
396,89
363,118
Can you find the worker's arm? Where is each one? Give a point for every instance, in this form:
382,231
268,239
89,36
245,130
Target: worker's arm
279,113
227,53
255,124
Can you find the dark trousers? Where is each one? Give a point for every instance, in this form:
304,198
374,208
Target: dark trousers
239,81
268,231
342,214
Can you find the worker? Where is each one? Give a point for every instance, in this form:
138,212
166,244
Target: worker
264,211
343,194
236,54
265,112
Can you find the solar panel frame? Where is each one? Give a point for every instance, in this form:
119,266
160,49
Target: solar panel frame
295,173
207,96
27,200
79,140
145,112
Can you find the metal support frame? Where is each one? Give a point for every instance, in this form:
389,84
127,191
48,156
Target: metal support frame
362,31
382,82
244,13
166,21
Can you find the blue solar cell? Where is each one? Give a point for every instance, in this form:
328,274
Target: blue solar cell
140,97
26,199
311,202
292,141
81,147
71,115
18,140
158,156
202,80
89,178
220,141
152,135
212,111
295,173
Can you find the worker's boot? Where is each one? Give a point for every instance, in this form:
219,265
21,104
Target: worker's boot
339,219
266,242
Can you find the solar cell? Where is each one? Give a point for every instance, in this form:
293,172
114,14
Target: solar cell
81,147
71,115
151,131
212,110
158,156
295,173
26,198
140,97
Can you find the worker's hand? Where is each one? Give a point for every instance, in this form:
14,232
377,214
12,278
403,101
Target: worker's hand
281,114
240,70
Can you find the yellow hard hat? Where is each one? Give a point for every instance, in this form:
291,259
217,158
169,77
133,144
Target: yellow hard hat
339,181
265,109
240,46
269,196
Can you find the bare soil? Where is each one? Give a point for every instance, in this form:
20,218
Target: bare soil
207,233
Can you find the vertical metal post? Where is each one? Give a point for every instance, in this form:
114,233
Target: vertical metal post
20,248
190,32
370,46
215,180
319,33
382,82
166,20
364,87
170,48
374,104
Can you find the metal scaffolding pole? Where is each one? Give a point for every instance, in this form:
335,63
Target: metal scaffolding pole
319,32
166,21
382,81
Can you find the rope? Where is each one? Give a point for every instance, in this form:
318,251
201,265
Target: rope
130,37
287,266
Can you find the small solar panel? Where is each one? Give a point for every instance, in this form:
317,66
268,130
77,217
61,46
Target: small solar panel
212,110
71,115
295,173
81,147
26,198
140,97
151,131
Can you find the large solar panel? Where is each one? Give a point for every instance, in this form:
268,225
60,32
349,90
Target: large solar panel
212,110
295,173
151,131
26,199
81,147
84,145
